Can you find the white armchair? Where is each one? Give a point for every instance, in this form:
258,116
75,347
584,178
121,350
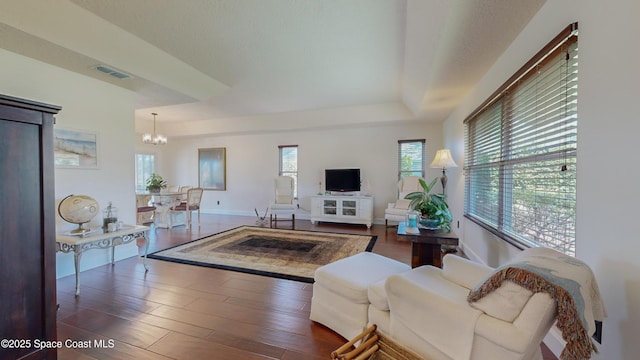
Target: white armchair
426,310
283,205
397,211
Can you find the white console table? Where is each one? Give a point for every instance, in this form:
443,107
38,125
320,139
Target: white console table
342,209
98,239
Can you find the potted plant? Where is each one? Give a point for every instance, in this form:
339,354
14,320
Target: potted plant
109,215
155,183
432,207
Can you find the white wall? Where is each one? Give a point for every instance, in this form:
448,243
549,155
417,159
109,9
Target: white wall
252,163
608,178
107,110
88,105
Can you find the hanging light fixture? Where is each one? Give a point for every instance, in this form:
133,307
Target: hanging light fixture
155,139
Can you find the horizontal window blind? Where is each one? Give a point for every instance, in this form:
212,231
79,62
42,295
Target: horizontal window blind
288,164
145,166
521,148
411,158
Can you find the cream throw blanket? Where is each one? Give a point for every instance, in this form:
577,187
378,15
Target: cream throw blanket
568,281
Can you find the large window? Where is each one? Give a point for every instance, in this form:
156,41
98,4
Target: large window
145,166
289,164
411,158
520,156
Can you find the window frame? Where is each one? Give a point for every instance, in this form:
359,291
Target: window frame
499,107
292,173
142,181
423,163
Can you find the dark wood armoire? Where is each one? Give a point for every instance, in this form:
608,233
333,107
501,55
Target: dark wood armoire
27,229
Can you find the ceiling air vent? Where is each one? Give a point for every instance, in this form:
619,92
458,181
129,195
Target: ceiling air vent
111,71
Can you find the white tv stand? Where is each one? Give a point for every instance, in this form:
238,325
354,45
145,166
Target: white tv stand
350,209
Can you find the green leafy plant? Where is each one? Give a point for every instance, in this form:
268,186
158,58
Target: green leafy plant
431,206
155,183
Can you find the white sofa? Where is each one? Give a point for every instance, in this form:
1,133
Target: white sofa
426,310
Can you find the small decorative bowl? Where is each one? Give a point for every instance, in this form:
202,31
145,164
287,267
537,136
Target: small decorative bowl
431,224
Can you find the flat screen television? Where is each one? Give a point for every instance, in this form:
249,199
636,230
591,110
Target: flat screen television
342,180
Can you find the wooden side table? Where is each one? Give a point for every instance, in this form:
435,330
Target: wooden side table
426,246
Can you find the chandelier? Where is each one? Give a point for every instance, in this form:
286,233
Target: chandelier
155,139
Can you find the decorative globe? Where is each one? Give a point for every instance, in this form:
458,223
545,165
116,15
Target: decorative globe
78,209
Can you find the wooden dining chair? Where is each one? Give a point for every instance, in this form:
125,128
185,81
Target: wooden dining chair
145,211
192,203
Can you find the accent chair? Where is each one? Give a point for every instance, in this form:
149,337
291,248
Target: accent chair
283,205
397,211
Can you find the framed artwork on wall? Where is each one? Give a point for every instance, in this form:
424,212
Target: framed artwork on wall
212,168
75,149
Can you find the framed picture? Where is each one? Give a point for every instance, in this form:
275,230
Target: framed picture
212,169
75,149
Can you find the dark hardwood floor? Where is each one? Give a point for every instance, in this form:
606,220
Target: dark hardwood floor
177,311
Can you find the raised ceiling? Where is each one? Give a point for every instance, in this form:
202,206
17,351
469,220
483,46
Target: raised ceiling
218,64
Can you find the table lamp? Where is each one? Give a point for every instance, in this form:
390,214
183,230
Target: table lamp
443,160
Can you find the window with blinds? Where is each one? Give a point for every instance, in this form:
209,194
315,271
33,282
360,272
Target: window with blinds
145,166
411,158
520,152
288,164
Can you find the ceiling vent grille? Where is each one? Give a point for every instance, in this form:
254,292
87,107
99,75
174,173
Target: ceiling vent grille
112,72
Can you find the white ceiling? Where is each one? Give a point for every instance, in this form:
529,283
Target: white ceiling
217,62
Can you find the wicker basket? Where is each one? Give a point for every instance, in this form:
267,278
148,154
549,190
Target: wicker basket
373,346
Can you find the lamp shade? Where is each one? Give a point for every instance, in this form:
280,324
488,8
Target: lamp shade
443,160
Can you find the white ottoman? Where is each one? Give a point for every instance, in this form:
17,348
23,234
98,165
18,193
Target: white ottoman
379,313
340,300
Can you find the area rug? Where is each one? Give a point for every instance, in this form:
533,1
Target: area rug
286,254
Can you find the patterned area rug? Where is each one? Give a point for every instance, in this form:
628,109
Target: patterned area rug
286,254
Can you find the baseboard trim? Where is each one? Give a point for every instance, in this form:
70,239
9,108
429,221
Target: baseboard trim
470,253
300,214
554,341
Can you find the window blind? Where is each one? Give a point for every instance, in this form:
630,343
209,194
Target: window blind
411,158
521,148
288,164
145,166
